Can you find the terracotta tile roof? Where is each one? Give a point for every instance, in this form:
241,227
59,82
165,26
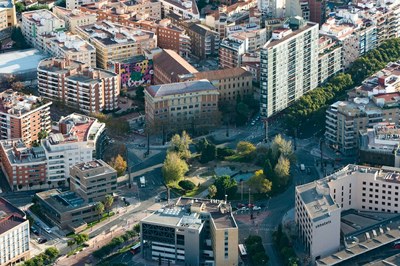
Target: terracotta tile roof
172,63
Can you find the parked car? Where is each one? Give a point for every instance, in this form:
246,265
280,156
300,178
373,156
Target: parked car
34,230
256,208
41,240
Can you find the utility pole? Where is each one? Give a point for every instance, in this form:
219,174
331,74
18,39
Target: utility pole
148,143
163,135
295,139
227,129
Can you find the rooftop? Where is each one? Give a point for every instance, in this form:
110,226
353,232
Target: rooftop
75,70
18,104
318,202
72,43
76,128
62,201
109,33
10,216
223,74
273,42
373,230
189,5
88,167
20,61
39,17
172,63
18,153
383,137
180,88
186,213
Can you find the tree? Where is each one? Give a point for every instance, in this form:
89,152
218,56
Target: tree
119,164
186,184
71,243
139,94
30,185
259,183
17,86
242,113
52,253
81,238
42,134
49,183
245,147
282,171
212,191
108,202
225,185
136,228
38,7
282,147
18,38
99,208
19,7
20,186
180,145
174,168
207,149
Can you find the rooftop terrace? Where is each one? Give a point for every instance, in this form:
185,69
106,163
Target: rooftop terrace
19,104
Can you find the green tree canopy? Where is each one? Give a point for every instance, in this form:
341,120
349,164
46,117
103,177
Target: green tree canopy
245,147
174,168
119,164
282,171
180,145
212,191
259,183
225,185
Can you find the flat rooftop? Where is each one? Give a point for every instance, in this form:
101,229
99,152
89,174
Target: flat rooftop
109,33
318,205
18,153
186,212
273,42
373,231
87,168
20,61
62,201
18,104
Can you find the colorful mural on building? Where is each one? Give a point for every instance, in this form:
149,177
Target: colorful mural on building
136,73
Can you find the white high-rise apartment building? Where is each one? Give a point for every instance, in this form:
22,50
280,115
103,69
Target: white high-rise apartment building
289,65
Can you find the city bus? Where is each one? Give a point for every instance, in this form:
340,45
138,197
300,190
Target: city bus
135,248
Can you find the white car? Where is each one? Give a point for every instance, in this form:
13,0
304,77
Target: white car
256,208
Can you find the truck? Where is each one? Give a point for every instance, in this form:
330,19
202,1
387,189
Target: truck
302,167
142,181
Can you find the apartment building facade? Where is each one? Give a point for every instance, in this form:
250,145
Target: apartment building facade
74,18
204,41
379,145
8,17
115,42
14,234
93,180
329,58
71,47
23,116
67,210
232,83
173,38
288,68
77,84
373,102
192,231
39,23
185,9
122,12
185,105
22,165
319,204
169,65
80,139
231,51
